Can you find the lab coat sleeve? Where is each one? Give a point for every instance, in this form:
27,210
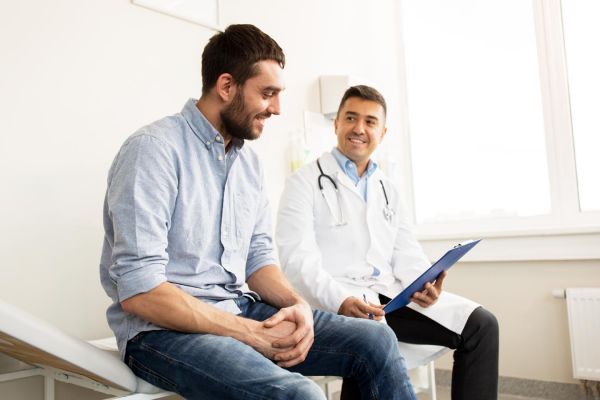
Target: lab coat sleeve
408,259
299,252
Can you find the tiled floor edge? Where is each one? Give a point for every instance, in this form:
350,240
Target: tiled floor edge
529,387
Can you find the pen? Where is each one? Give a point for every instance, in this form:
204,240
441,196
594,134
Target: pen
371,316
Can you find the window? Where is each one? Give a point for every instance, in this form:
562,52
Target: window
582,31
475,106
501,114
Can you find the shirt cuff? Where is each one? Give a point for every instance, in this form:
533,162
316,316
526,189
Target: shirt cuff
335,299
140,280
258,262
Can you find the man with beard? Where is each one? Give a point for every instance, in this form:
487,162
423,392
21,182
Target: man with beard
199,306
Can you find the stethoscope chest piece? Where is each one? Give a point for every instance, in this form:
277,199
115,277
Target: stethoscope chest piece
388,213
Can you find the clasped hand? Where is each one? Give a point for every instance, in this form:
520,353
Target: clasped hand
290,334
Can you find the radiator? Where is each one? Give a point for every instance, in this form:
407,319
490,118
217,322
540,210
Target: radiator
583,305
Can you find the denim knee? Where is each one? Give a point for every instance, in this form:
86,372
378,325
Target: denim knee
383,335
304,389
382,345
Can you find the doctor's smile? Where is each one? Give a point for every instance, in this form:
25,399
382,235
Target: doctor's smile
356,140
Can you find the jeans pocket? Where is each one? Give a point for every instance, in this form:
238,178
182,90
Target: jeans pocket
150,376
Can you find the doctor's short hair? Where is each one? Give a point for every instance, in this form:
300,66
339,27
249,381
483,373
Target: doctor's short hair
366,93
236,51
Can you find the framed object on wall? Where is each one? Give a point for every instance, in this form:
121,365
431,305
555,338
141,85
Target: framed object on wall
201,12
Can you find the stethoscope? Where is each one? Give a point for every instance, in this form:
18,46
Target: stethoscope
388,212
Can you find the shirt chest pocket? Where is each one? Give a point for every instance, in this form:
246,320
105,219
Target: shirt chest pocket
242,214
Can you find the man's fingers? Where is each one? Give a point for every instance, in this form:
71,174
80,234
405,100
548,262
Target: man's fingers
417,298
294,339
290,341
422,303
440,280
367,309
274,320
423,299
297,355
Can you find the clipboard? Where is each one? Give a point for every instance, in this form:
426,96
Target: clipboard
443,264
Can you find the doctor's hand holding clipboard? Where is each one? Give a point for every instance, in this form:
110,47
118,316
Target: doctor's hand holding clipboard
426,289
431,292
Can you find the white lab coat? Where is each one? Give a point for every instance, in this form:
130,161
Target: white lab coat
327,263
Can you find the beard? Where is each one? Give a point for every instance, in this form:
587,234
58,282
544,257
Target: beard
237,121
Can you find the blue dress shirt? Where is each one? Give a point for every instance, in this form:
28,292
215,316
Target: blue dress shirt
179,209
349,168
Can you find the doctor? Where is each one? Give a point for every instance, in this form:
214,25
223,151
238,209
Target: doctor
344,240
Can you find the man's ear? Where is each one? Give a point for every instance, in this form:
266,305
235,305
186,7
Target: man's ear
383,134
225,87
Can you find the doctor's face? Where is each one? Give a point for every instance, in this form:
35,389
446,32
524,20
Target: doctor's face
359,127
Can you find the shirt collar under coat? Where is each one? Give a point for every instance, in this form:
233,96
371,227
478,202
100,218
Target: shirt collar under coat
332,168
349,167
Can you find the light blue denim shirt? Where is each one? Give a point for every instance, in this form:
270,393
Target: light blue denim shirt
180,209
349,168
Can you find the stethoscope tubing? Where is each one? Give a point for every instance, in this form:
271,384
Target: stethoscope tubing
330,179
387,211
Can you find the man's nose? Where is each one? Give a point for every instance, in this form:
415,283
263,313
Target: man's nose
274,106
359,127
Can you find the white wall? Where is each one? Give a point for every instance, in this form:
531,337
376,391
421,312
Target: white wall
534,334
78,77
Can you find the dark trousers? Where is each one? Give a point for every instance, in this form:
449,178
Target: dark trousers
475,369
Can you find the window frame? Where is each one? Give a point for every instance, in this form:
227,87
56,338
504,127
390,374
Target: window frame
565,233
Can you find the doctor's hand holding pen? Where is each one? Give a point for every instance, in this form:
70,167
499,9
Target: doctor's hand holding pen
360,308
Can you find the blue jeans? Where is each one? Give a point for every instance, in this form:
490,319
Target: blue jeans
204,366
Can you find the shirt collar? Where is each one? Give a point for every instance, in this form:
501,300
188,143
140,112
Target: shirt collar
202,128
348,166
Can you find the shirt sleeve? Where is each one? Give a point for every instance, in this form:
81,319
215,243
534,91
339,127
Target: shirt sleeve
140,199
261,251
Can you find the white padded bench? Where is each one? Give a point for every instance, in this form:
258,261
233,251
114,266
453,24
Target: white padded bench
60,357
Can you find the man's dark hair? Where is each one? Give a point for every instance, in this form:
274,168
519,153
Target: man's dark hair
366,93
236,51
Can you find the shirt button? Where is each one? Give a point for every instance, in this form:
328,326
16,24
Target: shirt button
220,158
207,142
218,138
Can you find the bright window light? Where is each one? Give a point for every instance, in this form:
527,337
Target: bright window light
582,31
475,110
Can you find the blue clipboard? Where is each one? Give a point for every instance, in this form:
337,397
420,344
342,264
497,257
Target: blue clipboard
443,264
